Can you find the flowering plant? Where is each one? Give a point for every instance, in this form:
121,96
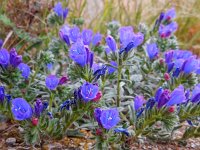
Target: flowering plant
130,82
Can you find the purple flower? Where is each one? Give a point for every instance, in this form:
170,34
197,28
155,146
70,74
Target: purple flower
38,107
1,43
63,80
158,93
15,59
4,57
110,41
125,35
107,118
64,34
87,36
169,56
190,65
138,102
21,109
25,70
136,41
89,56
164,98
122,130
112,69
169,15
74,33
152,51
96,66
166,31
78,53
2,94
196,94
178,63
96,39
182,54
177,96
89,91
51,82
60,11
107,50
50,66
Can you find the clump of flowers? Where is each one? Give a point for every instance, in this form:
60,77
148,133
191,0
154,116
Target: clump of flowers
127,84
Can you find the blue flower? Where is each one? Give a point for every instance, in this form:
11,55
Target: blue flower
51,82
89,91
15,59
112,69
122,130
169,56
150,103
74,33
196,94
25,70
152,51
21,109
1,43
60,11
64,34
110,41
169,15
96,39
38,107
177,96
165,31
4,57
107,118
2,94
138,102
190,65
158,93
49,66
78,53
108,50
164,98
87,36
125,35
178,63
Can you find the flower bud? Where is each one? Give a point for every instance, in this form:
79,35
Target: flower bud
161,61
171,109
98,97
166,76
34,121
63,80
99,132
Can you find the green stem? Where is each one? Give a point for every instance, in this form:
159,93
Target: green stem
51,101
118,82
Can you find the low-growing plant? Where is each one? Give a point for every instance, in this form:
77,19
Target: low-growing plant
132,85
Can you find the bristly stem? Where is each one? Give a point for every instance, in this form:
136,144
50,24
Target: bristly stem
119,72
51,101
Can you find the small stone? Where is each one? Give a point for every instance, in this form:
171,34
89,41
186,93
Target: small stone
54,146
82,144
193,145
21,129
10,141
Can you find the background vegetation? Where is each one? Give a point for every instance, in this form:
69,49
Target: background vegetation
25,20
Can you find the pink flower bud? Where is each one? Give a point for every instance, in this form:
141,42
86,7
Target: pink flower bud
34,121
63,80
166,76
98,97
99,132
171,109
161,61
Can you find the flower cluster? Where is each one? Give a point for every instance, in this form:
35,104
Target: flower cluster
12,59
